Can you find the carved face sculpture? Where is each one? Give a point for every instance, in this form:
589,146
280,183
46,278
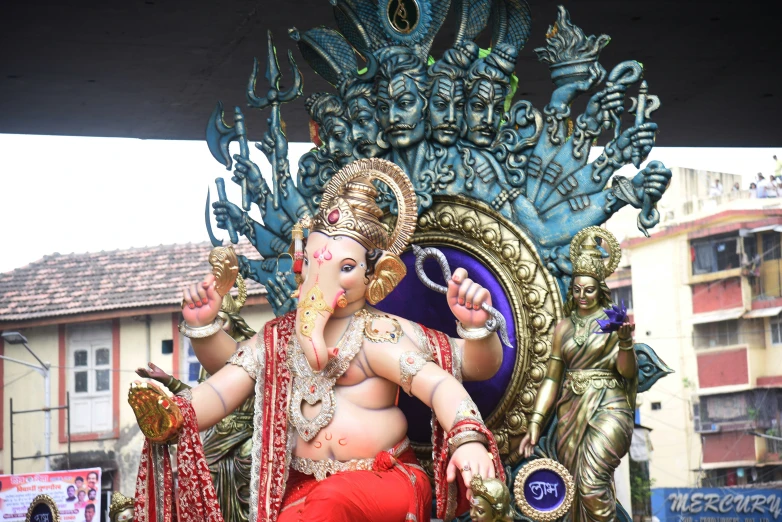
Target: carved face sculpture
586,292
481,510
446,110
400,111
483,114
364,128
337,138
126,515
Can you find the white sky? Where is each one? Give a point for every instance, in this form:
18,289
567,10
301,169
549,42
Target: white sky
76,194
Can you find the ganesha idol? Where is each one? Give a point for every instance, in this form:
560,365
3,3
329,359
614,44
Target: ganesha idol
329,441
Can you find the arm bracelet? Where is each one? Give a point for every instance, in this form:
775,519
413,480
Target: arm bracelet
463,438
537,418
472,334
410,363
201,332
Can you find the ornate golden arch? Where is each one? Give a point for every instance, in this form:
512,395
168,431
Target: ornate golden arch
495,241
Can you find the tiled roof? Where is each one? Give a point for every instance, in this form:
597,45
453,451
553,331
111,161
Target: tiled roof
68,284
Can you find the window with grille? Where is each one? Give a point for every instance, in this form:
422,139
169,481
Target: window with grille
90,378
715,254
771,246
720,333
776,329
623,294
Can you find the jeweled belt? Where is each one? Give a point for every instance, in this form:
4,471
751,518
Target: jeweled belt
320,469
580,380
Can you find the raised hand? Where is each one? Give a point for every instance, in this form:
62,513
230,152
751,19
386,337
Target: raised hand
468,460
652,181
640,138
563,96
201,302
153,372
226,212
609,99
157,415
281,288
530,440
465,298
249,171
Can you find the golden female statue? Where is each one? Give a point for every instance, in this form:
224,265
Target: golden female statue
597,366
490,500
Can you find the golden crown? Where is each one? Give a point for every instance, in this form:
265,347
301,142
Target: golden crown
119,503
349,209
588,260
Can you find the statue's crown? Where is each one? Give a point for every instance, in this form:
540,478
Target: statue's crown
355,214
588,260
119,503
349,209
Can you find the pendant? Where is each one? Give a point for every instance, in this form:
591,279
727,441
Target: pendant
313,390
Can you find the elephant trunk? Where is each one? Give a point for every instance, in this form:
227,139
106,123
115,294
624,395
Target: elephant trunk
313,313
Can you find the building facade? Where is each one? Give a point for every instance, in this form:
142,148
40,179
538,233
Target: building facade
96,318
706,294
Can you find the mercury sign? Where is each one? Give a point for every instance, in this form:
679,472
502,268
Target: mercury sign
716,505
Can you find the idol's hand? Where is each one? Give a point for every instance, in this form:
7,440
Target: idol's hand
530,440
153,372
201,302
626,332
465,298
468,460
652,181
227,213
247,170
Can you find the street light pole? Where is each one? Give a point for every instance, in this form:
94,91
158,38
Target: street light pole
44,370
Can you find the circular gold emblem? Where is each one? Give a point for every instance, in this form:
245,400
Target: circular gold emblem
544,490
403,15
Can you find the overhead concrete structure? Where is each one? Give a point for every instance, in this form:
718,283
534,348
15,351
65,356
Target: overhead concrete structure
156,68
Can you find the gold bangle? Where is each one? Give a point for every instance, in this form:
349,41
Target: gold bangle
464,437
537,418
626,347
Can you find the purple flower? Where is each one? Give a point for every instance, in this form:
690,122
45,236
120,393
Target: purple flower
617,316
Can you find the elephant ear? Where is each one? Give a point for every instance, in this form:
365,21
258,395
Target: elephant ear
389,271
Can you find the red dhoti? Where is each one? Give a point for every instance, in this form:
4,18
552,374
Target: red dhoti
394,490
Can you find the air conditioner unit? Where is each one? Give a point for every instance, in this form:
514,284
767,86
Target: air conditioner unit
709,428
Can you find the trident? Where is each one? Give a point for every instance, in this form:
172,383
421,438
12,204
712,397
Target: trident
274,97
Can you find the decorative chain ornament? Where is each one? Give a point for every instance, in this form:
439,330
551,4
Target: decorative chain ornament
319,387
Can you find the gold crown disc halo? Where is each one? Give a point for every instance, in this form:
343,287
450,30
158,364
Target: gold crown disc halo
348,207
587,259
